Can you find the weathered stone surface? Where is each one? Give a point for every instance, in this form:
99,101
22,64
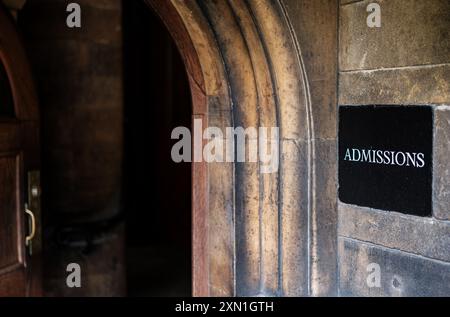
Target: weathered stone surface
268,182
405,62
257,235
424,236
324,222
401,274
102,268
245,101
315,25
319,55
294,218
220,227
289,80
49,20
221,215
412,32
412,85
220,119
342,2
441,163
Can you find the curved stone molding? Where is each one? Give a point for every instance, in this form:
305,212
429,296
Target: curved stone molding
250,230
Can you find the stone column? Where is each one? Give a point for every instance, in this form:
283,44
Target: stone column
79,77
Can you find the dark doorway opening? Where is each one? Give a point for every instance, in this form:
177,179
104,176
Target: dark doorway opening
157,191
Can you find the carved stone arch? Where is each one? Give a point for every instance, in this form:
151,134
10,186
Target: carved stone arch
245,69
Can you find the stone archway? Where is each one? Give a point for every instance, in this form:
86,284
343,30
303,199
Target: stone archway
245,69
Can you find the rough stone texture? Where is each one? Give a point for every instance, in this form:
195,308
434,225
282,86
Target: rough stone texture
221,213
79,75
412,32
342,2
102,267
405,62
91,30
80,82
401,274
423,236
412,85
441,163
221,206
294,219
315,25
241,29
319,55
243,89
324,222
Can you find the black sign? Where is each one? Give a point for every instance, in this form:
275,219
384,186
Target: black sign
385,157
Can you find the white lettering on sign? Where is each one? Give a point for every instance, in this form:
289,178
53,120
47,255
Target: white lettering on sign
398,158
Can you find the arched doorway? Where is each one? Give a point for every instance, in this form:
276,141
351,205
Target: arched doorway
253,233
245,70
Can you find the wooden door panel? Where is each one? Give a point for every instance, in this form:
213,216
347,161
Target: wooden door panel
10,139
6,96
19,154
11,220
14,283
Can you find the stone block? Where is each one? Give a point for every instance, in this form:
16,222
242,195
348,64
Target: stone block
401,274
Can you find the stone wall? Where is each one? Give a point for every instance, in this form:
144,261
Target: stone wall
314,23
79,77
404,62
287,234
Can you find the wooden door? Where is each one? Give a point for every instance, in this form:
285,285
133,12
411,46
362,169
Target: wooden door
19,141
